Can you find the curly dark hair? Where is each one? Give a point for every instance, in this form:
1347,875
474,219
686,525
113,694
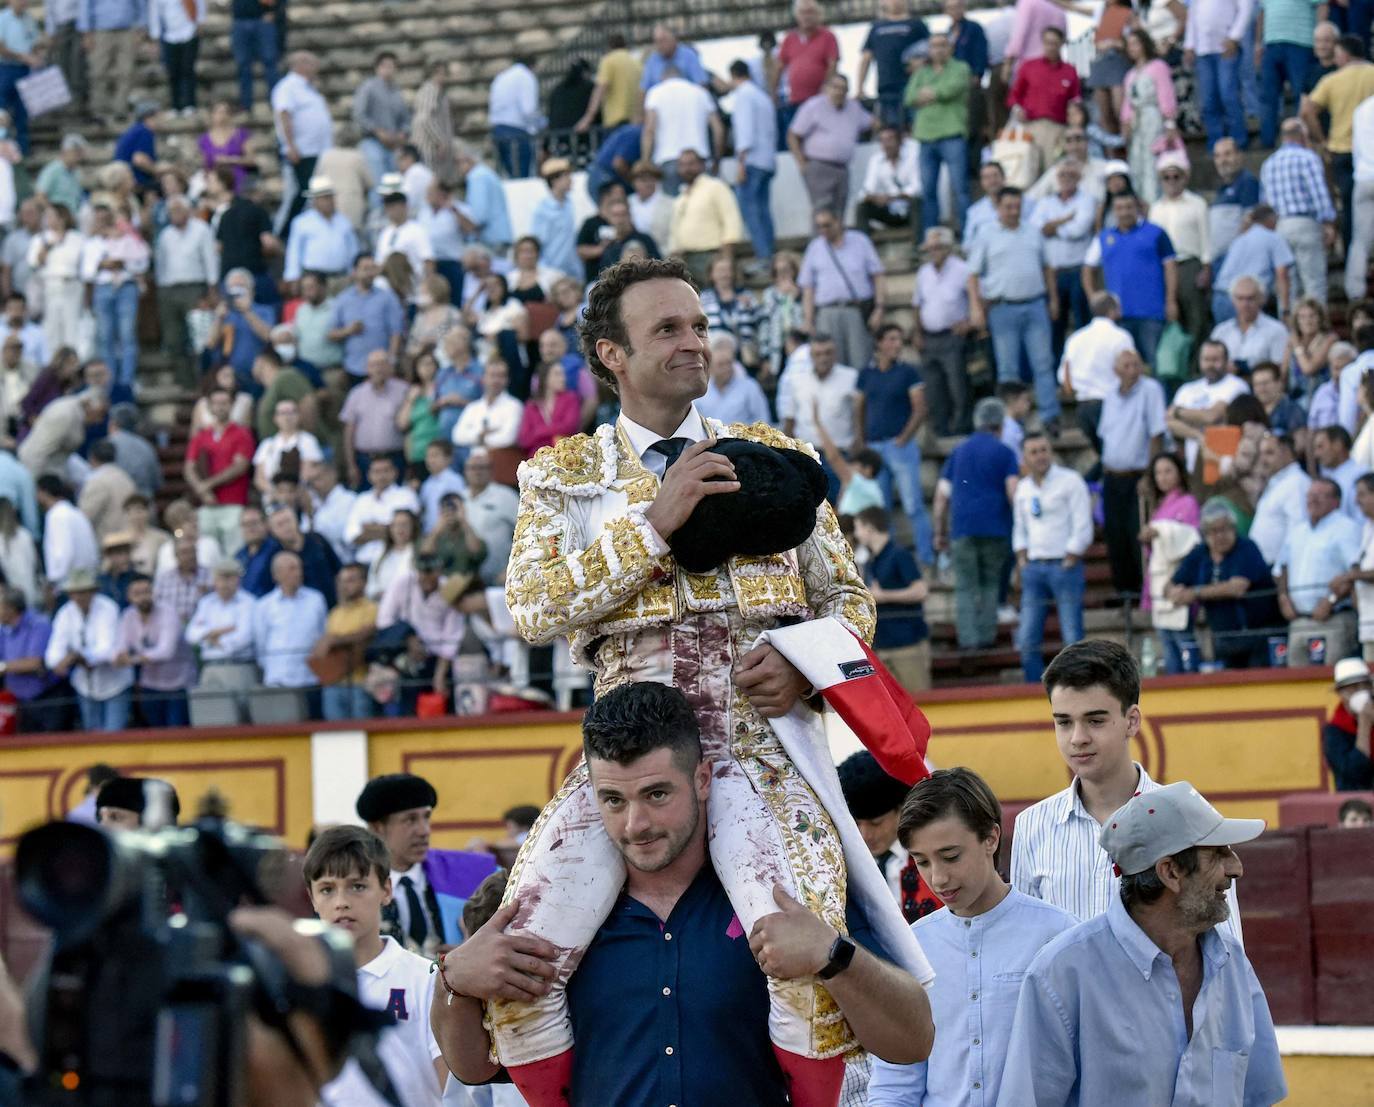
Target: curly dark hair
602,318
637,718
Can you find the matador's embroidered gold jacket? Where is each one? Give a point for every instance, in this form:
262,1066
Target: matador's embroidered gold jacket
585,563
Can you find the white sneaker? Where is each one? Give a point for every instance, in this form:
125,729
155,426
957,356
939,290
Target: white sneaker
1006,614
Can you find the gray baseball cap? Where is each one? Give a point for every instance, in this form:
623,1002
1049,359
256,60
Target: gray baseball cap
1169,820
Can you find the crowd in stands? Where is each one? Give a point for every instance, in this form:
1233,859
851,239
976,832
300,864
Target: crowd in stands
372,359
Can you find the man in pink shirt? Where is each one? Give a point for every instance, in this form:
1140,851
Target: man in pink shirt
1031,19
809,54
1041,93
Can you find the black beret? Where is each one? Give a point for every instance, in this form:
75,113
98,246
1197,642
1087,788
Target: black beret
126,793
869,792
774,509
385,795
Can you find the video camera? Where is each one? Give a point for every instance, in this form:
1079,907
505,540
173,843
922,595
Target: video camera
145,997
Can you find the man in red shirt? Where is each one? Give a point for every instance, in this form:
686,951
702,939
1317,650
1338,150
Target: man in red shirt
809,54
218,470
1041,93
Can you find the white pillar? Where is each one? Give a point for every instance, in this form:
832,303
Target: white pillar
338,771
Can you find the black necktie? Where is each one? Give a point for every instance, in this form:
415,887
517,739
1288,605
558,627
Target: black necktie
882,859
671,448
418,929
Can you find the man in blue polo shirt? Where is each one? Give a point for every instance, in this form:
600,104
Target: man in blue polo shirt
902,638
668,1005
1139,268
973,521
618,152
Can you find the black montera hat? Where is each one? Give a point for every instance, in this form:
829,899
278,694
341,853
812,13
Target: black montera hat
385,795
869,792
774,509
126,793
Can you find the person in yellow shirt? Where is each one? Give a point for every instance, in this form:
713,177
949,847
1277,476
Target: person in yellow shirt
349,626
616,92
1339,94
706,218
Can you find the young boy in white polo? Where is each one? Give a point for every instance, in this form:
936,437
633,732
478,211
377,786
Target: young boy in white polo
348,874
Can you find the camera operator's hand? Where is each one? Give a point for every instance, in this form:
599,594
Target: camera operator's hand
14,1025
495,965
275,1075
696,473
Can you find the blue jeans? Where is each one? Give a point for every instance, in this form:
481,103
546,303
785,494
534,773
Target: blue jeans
379,160
893,110
953,152
1249,73
1146,334
1283,62
346,701
254,40
116,321
902,471
162,709
753,197
514,149
1041,582
1073,306
111,714
10,101
1018,327
1218,79
451,271
1173,642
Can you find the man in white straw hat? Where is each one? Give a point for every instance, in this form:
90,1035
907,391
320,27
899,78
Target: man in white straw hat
1151,1002
1345,737
322,239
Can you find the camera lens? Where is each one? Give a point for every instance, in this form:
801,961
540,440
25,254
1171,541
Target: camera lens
64,873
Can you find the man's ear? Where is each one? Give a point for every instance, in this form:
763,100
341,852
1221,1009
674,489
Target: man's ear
1133,721
701,778
610,354
1169,873
387,895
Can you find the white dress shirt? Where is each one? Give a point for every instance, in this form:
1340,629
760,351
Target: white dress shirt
285,630
1201,394
801,392
409,239
1348,389
1312,556
899,178
514,99
187,255
1266,339
1090,354
979,964
312,127
416,872
1093,181
330,519
169,22
93,635
1211,22
494,424
941,294
1345,475
1068,246
1281,509
269,451
1055,856
68,542
376,507
213,613
692,428
1188,224
1052,518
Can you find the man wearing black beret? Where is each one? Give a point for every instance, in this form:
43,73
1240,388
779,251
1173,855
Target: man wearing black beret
124,803
663,551
429,886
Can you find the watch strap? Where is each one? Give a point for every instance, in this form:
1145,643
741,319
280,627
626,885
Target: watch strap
841,954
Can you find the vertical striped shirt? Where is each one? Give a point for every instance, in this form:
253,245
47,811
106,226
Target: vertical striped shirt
1055,857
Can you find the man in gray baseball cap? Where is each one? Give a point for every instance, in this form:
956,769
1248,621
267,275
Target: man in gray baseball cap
1150,1002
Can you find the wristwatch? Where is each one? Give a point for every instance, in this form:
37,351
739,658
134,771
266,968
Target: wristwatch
841,954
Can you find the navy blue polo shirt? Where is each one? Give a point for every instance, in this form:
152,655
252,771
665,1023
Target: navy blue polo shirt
977,471
1133,268
1244,191
899,624
623,142
138,139
887,40
887,399
676,1012
1257,609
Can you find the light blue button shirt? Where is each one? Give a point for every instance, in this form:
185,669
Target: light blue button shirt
979,965
1100,1022
740,401
1069,245
556,230
487,202
18,33
444,233
1312,556
285,630
329,245
1010,263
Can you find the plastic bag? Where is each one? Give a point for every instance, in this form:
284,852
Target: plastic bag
1015,151
1174,352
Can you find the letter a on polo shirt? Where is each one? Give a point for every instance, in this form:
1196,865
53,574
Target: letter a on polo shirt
396,1005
